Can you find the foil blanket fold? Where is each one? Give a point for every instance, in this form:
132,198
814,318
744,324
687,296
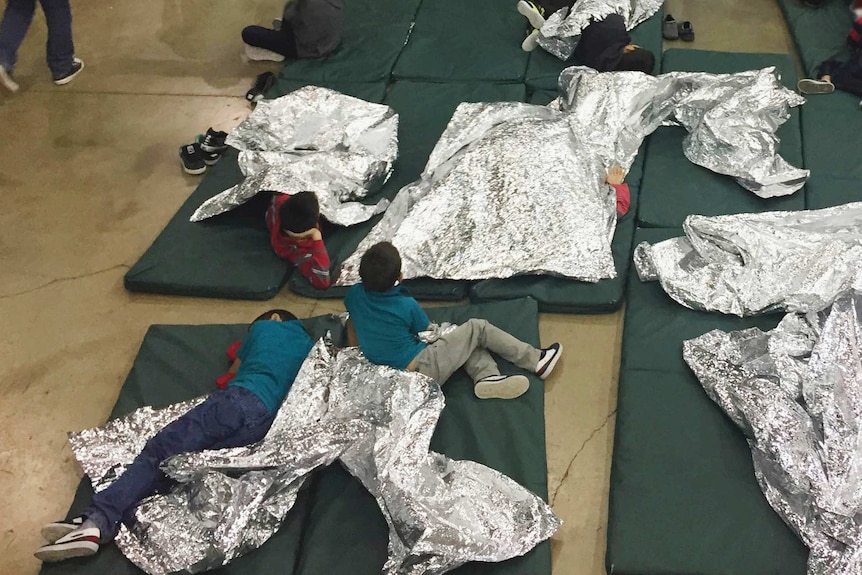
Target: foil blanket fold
562,29
747,264
514,188
796,393
313,139
377,421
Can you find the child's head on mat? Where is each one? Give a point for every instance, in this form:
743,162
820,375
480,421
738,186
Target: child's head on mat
275,315
380,267
636,59
299,213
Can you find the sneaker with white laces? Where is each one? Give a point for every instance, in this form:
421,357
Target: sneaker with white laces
54,531
192,159
77,66
501,387
531,42
78,543
533,13
548,360
6,80
213,141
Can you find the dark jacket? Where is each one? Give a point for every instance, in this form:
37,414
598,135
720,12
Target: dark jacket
601,44
317,25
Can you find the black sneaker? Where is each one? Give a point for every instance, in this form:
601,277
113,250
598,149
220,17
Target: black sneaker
548,360
261,85
210,158
6,80
192,158
213,141
77,66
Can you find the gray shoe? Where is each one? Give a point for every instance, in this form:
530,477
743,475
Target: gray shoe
501,387
532,13
6,80
811,87
531,42
669,29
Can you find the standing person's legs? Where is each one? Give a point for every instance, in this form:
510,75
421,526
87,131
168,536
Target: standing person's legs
13,28
60,49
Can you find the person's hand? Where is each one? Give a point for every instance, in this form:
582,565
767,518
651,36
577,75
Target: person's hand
615,176
312,234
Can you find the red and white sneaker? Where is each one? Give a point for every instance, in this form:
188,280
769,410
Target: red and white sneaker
78,543
54,531
548,360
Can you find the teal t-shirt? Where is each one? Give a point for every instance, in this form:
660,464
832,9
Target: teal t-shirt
386,325
270,357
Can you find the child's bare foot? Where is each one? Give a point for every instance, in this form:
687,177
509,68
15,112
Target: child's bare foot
615,176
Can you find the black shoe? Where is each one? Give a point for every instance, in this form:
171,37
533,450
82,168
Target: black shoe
77,66
210,158
192,158
213,141
262,84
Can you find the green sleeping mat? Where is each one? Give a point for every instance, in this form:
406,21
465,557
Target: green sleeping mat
424,110
465,41
543,69
176,363
819,34
374,35
346,532
831,126
683,496
673,188
825,191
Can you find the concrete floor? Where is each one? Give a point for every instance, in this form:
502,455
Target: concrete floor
89,176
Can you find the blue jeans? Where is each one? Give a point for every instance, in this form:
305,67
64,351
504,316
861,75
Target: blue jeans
228,418
16,22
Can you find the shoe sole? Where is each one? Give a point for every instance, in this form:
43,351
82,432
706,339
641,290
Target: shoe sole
261,54
509,388
212,162
536,20
193,171
810,87
70,77
531,42
550,367
54,531
7,82
213,149
66,551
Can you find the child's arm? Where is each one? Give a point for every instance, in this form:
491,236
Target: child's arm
315,265
352,338
615,178
419,319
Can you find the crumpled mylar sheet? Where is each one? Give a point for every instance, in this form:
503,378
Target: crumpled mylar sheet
514,188
748,264
796,393
314,139
562,29
378,421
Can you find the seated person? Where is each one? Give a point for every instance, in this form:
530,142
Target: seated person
605,45
308,29
384,322
266,365
294,231
845,76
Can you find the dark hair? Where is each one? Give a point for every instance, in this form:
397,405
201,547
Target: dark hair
380,267
639,59
299,212
282,313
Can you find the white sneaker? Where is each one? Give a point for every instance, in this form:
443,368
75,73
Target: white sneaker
6,80
261,54
501,387
531,12
548,360
811,87
78,543
531,42
54,531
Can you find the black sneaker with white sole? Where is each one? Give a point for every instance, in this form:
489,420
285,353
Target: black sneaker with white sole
78,543
77,67
548,360
211,158
213,141
501,387
54,531
6,80
192,159
262,84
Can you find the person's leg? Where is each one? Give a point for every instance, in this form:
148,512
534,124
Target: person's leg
281,41
16,21
60,49
848,77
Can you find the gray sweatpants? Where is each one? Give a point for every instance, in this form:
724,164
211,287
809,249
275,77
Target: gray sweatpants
468,345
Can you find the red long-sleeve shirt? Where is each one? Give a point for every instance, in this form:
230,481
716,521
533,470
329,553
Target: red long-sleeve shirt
624,198
309,256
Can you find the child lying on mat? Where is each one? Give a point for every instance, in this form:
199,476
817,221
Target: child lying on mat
294,231
385,323
267,363
605,45
307,29
845,76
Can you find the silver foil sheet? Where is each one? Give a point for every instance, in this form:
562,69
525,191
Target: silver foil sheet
796,393
748,264
514,188
313,139
562,30
378,421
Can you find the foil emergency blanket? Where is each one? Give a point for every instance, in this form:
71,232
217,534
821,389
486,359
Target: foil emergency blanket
515,189
747,264
378,421
796,393
562,29
313,139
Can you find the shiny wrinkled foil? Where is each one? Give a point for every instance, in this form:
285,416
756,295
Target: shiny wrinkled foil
747,264
514,188
313,139
796,393
562,30
378,421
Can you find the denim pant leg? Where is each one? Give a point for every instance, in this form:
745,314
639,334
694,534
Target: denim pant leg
226,418
60,50
13,28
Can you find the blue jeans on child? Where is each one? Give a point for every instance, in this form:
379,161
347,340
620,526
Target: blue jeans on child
228,418
16,22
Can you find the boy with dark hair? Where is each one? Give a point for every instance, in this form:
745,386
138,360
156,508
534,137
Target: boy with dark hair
308,29
266,365
294,231
385,324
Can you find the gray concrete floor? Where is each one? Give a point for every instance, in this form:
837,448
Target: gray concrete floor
89,175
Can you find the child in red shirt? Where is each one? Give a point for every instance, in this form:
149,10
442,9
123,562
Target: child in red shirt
294,231
615,178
